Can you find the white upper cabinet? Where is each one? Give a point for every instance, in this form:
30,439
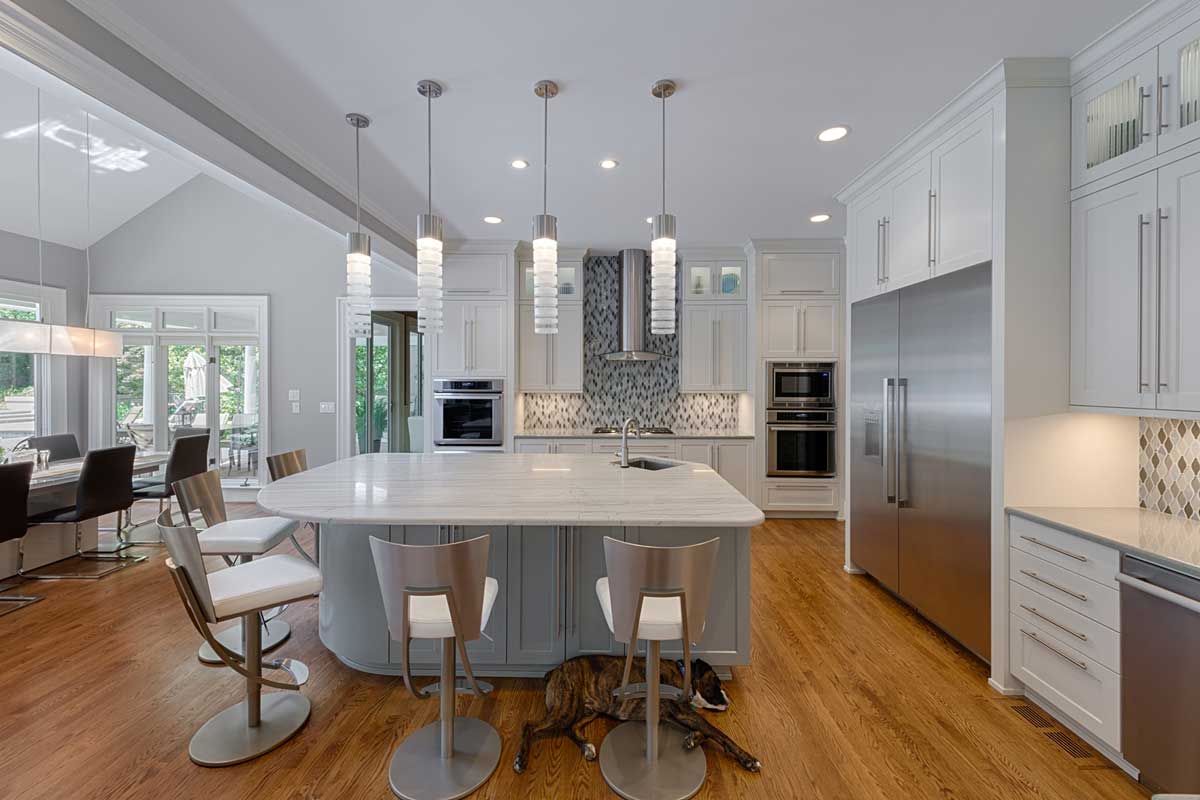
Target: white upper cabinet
1179,70
473,341
907,226
866,252
961,198
570,280
708,279
1114,120
712,348
1178,358
1113,284
800,274
551,362
808,329
474,274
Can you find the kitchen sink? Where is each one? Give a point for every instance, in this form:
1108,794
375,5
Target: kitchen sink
652,464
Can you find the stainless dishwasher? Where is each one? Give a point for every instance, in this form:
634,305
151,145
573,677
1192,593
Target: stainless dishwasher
1160,674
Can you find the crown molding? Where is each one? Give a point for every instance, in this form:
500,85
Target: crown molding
814,245
1131,36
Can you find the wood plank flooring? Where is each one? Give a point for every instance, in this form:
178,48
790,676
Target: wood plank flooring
850,696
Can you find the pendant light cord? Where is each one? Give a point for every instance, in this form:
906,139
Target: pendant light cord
545,145
429,148
87,253
664,152
357,181
41,276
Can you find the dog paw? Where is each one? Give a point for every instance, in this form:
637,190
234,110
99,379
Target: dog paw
589,752
518,765
690,742
752,765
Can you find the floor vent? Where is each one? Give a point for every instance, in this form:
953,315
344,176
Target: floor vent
1034,716
1071,745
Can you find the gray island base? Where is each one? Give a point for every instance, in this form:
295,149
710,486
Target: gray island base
547,516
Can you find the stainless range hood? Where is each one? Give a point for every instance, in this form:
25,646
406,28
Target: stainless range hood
632,311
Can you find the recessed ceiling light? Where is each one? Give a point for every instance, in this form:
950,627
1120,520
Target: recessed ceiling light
819,218
649,220
608,163
519,163
493,220
834,133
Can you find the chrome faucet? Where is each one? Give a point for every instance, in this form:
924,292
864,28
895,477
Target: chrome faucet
637,431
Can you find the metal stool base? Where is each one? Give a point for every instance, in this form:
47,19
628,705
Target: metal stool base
677,775
226,739
418,771
274,634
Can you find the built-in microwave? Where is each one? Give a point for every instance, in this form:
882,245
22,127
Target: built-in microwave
468,412
792,384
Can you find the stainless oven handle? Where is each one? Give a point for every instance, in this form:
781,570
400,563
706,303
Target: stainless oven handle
783,426
468,396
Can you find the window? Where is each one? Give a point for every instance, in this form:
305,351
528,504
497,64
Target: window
18,381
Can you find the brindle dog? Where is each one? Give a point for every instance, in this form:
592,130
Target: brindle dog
581,689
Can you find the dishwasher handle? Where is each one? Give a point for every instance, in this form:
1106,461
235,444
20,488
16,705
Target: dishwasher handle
1159,592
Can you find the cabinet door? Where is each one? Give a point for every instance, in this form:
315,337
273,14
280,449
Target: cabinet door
536,624
907,228
696,452
423,652
729,372
1179,66
819,329
1113,120
962,198
532,446
866,265
781,330
488,338
475,274
566,349
491,648
588,632
730,280
699,277
1178,363
733,464
450,346
533,353
795,274
697,348
576,447
1112,287
570,281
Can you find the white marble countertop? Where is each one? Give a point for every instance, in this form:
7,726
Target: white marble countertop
587,433
507,489
1168,540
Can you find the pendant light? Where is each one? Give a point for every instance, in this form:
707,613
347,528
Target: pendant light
429,231
358,249
662,239
545,234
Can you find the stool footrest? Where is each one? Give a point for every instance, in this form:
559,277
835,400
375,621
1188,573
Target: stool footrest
637,691
460,687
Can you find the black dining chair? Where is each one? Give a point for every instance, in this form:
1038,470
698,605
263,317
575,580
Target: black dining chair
14,521
62,446
188,457
105,487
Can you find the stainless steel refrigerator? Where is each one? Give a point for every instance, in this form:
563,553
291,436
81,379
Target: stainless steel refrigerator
920,440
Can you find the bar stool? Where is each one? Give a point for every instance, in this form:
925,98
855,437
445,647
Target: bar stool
292,462
440,592
657,594
14,499
236,541
261,722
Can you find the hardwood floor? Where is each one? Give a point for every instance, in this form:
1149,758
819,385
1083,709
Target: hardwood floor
850,696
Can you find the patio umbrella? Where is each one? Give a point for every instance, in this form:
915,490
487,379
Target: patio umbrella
194,365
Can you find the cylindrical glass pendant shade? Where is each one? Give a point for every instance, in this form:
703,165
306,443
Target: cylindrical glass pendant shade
429,273
662,275
545,274
358,284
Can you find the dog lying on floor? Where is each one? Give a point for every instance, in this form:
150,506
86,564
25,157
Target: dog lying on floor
581,689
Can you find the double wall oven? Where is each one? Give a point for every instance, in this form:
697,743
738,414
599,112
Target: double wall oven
801,420
468,413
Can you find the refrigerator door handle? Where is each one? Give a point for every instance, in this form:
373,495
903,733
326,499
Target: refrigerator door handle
901,442
885,448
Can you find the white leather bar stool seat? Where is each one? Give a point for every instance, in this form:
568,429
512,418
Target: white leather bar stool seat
270,581
661,620
429,616
246,537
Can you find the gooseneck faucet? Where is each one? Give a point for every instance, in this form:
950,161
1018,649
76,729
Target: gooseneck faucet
637,431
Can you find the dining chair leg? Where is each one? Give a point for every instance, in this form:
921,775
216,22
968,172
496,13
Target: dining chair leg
105,552
122,563
14,602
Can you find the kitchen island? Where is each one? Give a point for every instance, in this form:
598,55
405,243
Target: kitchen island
547,516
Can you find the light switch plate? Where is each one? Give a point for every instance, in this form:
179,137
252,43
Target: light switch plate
293,395
327,407
295,408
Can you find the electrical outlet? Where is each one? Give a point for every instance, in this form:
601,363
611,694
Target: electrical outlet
327,408
295,408
294,396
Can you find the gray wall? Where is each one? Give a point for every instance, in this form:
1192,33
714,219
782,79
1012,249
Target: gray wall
65,268
206,238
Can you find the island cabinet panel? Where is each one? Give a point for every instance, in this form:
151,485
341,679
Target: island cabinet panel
726,637
352,620
536,623
587,630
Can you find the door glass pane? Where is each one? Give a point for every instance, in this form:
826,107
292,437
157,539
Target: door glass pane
18,397
136,319
568,285
235,320
133,381
416,384
1189,84
183,320
731,279
381,365
187,388
237,367
1114,122
700,280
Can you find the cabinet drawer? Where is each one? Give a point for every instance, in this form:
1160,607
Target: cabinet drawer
1078,685
1083,556
640,448
532,446
800,495
1074,591
1086,635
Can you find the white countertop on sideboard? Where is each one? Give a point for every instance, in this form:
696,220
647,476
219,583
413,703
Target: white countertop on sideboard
588,433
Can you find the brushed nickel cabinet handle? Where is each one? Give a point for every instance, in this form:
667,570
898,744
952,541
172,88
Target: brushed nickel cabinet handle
1053,585
932,207
1141,246
1081,664
1068,553
878,252
1081,637
1160,215
1143,96
1162,84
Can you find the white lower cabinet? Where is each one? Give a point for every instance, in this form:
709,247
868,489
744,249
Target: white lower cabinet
561,446
730,459
801,494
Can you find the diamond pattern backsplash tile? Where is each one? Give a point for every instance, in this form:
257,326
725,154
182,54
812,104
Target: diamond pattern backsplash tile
1170,466
614,390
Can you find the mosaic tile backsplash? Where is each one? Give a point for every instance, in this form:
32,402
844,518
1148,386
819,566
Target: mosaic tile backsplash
1170,466
614,390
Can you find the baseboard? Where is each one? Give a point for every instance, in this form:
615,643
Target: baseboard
853,570
800,514
1007,691
1070,724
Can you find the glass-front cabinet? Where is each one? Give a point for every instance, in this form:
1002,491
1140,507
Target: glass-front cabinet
714,280
1179,65
570,280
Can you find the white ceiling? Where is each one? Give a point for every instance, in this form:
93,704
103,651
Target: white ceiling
127,175
758,79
